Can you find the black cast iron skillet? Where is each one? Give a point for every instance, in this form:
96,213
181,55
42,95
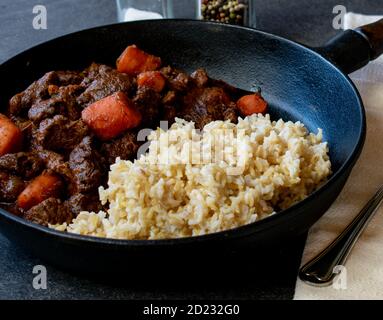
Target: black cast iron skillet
299,83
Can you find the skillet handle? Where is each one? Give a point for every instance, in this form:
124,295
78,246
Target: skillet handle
374,34
353,49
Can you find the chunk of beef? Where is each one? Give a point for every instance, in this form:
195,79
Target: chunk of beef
230,113
38,90
68,95
102,81
148,103
25,126
50,211
56,163
200,78
45,109
234,92
176,79
63,101
87,165
25,164
84,202
170,98
125,147
59,133
92,72
51,159
12,208
203,105
66,78
10,187
169,113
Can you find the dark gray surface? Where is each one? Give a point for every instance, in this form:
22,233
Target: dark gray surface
64,16
248,281
309,22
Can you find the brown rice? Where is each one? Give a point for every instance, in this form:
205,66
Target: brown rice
191,183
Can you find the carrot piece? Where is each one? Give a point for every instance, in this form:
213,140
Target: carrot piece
11,137
134,61
151,79
45,186
111,116
252,103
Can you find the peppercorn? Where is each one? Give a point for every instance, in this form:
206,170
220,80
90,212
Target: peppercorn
232,11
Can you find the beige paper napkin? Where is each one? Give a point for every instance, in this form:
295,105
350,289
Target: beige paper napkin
364,269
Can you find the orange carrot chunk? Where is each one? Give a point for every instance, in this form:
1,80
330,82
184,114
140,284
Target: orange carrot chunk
41,188
252,103
151,79
111,116
11,137
134,61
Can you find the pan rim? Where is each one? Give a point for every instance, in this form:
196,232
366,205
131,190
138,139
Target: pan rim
235,233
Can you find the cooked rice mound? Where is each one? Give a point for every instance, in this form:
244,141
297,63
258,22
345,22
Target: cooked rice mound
191,183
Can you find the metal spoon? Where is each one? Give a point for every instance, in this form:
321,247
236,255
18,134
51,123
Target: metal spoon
319,271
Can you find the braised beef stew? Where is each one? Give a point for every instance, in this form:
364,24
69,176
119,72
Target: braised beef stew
60,135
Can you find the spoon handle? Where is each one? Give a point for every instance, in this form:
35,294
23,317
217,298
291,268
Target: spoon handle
319,270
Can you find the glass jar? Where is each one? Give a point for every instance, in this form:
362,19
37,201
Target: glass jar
131,10
240,12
